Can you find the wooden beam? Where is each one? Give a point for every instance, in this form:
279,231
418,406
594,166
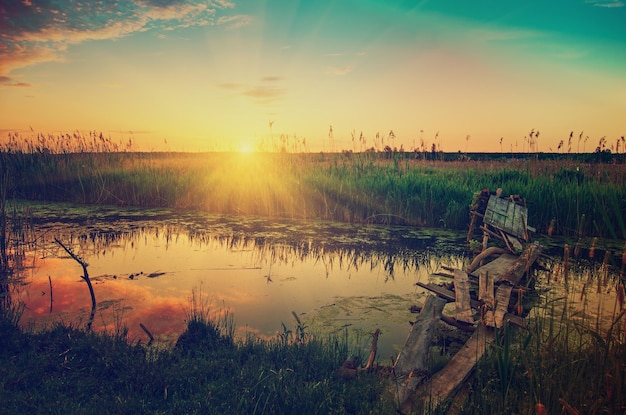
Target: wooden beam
462,299
443,383
411,365
523,263
444,293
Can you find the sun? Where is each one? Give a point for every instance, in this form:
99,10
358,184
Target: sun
246,148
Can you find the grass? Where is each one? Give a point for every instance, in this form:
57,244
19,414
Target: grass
566,361
561,362
72,371
577,197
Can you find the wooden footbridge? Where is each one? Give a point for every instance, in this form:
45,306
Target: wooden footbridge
486,296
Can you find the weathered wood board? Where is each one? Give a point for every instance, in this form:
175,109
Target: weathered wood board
497,268
523,263
462,300
413,357
494,318
444,382
505,214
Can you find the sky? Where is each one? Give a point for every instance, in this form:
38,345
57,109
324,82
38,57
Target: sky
318,75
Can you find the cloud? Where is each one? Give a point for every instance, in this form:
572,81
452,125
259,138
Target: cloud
235,22
7,81
34,31
230,85
606,3
264,92
267,91
337,70
272,79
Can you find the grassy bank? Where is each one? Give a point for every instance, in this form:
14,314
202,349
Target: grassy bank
71,371
564,362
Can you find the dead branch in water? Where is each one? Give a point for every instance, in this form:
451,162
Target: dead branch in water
145,329
85,277
51,300
373,349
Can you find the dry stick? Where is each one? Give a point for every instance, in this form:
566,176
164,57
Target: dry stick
85,276
373,350
51,300
147,332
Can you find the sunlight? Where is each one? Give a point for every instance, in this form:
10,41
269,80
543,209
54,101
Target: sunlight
246,148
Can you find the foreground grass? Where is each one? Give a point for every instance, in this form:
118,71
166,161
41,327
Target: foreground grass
70,371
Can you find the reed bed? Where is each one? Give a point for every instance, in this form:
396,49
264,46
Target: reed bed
565,197
569,360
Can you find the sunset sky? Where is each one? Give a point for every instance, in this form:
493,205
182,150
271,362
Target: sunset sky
197,75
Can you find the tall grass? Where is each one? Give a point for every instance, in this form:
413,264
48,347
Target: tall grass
569,359
580,199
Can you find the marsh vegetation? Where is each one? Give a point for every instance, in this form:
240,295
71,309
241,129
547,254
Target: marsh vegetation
568,359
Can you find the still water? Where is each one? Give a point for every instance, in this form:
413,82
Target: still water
147,264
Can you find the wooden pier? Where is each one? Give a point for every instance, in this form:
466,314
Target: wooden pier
483,295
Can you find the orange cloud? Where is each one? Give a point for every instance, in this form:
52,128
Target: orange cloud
32,34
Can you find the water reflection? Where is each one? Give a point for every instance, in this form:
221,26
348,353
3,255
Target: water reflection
145,270
145,265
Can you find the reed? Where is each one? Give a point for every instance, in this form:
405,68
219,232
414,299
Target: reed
570,358
386,187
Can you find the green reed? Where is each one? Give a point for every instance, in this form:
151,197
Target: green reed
566,359
579,199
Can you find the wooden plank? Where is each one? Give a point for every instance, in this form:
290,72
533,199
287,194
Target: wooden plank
494,318
439,290
498,267
507,215
486,289
411,363
444,293
523,263
462,300
444,382
442,274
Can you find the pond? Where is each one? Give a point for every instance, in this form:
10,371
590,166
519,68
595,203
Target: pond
146,265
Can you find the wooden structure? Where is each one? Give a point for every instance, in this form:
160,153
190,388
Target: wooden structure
482,294
503,218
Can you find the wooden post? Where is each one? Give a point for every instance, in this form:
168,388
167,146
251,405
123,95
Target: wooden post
472,225
485,289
